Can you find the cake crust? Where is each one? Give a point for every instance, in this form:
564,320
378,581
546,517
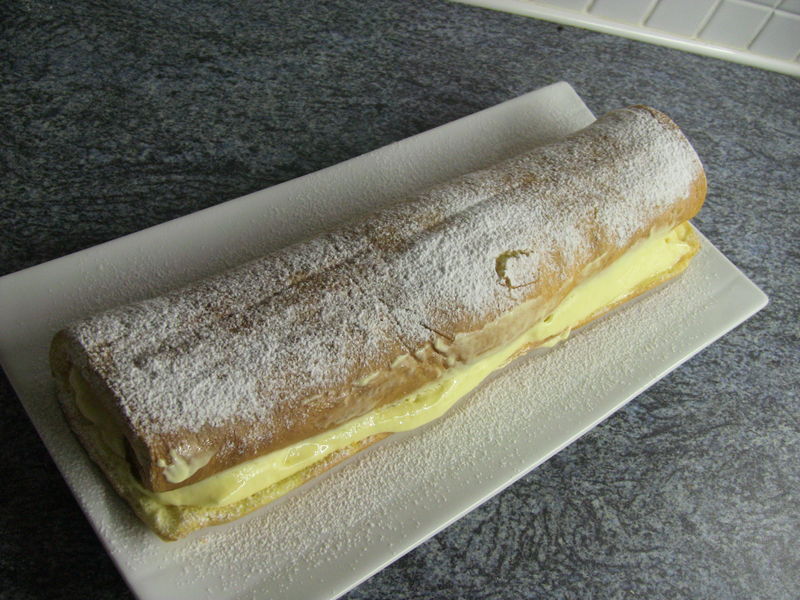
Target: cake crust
300,341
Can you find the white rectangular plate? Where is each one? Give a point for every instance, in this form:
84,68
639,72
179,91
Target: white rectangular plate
329,536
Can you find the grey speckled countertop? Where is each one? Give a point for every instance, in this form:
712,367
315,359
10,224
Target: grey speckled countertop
120,115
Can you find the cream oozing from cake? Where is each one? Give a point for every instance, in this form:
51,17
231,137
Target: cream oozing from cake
261,342
661,255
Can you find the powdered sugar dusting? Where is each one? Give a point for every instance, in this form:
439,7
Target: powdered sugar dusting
376,506
337,531
257,342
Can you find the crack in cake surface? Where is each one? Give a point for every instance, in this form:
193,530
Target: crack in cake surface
309,321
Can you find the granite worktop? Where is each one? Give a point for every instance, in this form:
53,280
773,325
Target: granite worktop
121,115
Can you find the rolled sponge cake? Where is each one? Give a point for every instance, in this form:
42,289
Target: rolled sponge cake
296,343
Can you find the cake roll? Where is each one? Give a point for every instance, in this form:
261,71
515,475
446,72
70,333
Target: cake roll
212,400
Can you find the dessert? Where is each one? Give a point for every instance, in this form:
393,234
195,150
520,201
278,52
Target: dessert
212,400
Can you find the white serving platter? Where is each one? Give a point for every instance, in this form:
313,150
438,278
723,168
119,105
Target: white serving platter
329,536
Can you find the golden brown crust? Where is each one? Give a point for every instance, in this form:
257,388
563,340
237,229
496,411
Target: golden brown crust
679,267
171,523
382,353
175,522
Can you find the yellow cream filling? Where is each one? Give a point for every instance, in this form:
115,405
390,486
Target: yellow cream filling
181,468
91,409
650,258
